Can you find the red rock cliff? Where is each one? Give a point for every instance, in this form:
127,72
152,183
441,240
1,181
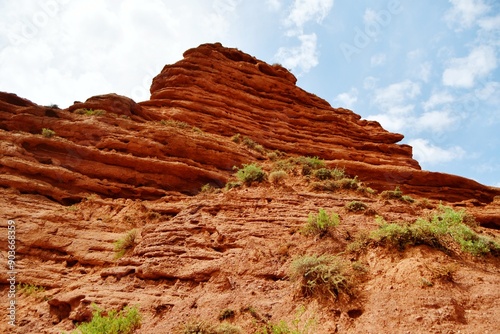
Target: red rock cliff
115,147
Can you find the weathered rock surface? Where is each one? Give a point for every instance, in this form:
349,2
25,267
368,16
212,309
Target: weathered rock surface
113,165
112,146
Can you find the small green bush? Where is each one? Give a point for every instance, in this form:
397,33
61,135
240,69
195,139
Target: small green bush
313,162
174,123
251,173
407,199
48,133
325,186
445,228
231,185
321,223
124,244
123,322
392,194
30,289
279,328
278,176
348,183
356,206
226,314
236,138
90,112
248,142
323,275
207,188
323,174
295,327
202,327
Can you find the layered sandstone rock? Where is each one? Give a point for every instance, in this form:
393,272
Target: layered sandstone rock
112,146
127,166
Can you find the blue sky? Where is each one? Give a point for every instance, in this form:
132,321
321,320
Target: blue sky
426,69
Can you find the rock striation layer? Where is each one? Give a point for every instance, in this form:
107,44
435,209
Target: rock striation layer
112,146
77,180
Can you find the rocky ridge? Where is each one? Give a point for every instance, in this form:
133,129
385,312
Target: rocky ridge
109,165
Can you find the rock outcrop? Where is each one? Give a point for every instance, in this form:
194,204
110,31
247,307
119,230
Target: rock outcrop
112,146
76,180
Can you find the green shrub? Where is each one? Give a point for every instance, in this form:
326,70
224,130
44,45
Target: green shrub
123,322
277,177
323,275
444,229
407,198
323,174
313,162
366,190
30,289
175,123
273,156
321,224
325,186
226,314
202,327
251,173
48,133
124,244
231,185
236,138
207,188
347,183
392,194
90,112
248,142
283,327
356,206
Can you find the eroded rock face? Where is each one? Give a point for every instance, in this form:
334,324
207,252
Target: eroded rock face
114,152
112,146
226,91
139,166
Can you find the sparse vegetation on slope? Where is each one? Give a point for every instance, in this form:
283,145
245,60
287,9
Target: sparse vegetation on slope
321,224
122,322
250,173
324,275
443,230
48,133
124,244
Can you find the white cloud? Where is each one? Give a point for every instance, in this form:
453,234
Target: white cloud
465,13
490,23
427,153
378,59
389,122
463,72
438,99
395,105
489,91
303,11
274,4
347,99
424,72
436,121
76,49
396,95
304,56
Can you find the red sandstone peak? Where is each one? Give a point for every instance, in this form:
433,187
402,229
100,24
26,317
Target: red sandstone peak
221,260
115,147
